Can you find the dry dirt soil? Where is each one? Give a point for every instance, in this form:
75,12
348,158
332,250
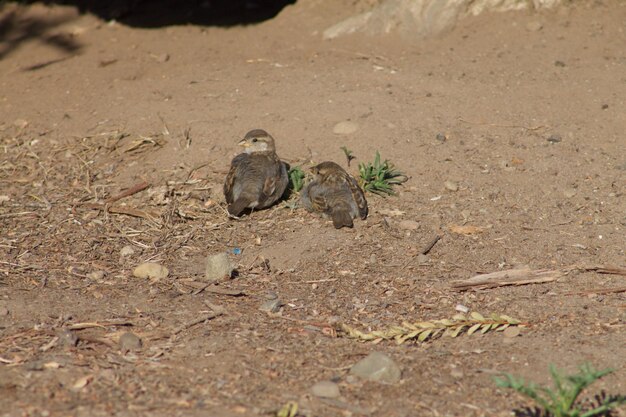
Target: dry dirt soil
523,112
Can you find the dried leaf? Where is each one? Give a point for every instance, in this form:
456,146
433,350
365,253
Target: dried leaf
424,335
473,329
82,382
477,316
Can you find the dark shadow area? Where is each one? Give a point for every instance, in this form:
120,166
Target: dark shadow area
16,28
158,13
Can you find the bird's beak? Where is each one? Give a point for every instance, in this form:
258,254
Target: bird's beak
243,143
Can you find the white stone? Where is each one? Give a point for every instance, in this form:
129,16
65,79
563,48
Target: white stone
151,270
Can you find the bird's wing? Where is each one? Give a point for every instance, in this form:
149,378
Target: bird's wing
229,183
358,196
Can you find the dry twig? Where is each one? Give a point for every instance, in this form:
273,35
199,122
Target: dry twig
509,277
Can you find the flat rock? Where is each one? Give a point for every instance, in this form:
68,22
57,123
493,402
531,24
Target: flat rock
569,192
271,306
127,251
377,367
408,225
96,275
325,389
151,270
451,186
218,267
130,342
345,128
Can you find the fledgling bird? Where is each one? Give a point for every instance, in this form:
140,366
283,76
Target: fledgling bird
257,177
336,194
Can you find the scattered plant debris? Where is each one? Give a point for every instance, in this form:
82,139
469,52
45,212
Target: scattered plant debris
428,330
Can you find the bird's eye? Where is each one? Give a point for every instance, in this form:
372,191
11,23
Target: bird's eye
255,140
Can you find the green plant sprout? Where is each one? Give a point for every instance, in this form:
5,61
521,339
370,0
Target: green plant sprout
348,153
380,177
562,400
296,178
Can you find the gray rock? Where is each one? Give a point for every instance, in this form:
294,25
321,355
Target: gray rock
130,342
441,137
377,367
554,139
151,270
218,267
325,389
271,306
67,338
425,17
451,186
345,128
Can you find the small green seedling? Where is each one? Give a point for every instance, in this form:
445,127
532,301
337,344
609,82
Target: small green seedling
562,400
380,177
348,153
296,179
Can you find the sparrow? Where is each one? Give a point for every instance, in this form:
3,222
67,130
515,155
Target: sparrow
257,177
336,194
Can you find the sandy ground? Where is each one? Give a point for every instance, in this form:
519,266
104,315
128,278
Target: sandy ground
524,113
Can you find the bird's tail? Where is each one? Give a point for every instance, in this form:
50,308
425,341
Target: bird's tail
341,218
237,207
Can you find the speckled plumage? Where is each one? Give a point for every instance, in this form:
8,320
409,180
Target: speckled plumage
257,177
334,193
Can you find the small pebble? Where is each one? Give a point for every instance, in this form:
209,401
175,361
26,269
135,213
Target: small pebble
4,311
554,139
604,107
441,137
4,199
67,338
218,267
151,270
461,308
271,306
422,259
127,251
377,367
130,342
373,258
345,128
457,373
161,58
96,275
511,332
569,193
451,186
325,389
534,26
408,225
559,63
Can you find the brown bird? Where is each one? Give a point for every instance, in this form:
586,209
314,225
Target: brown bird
334,193
257,177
